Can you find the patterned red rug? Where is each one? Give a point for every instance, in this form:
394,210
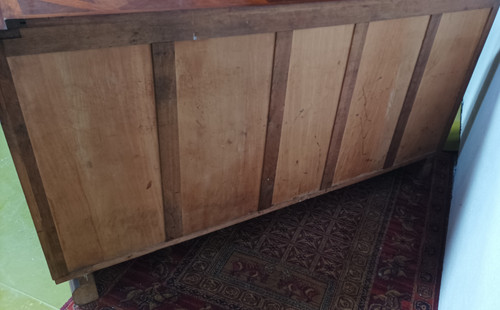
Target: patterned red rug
376,245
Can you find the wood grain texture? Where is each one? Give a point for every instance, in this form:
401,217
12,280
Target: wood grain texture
281,65
465,128
92,122
44,35
223,89
350,77
14,127
213,161
386,67
455,42
252,215
168,135
418,73
317,66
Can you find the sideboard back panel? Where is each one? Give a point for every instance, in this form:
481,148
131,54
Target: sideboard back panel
133,132
92,123
456,40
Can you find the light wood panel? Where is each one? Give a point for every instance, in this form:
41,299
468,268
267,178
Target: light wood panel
91,119
16,134
317,66
350,77
387,64
418,73
455,42
223,88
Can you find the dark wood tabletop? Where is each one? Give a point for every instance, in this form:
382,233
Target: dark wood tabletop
27,9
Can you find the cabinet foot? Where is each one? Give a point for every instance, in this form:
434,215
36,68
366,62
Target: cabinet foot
84,290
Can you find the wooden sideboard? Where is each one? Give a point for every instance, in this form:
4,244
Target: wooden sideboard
135,125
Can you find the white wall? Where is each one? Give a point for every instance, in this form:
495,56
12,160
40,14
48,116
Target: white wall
471,274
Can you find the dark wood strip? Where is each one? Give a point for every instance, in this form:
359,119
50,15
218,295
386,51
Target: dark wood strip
351,74
411,94
44,35
21,149
470,70
282,51
168,135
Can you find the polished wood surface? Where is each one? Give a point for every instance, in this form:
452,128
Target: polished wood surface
96,146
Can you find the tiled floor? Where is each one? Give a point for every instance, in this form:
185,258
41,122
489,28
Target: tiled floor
25,282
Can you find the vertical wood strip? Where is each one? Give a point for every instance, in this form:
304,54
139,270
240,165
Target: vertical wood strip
470,71
357,45
27,169
168,135
418,74
281,63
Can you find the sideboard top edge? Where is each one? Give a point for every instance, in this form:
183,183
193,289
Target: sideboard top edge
17,14
13,16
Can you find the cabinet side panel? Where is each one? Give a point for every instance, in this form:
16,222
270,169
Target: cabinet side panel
91,119
456,40
389,57
317,66
12,121
223,88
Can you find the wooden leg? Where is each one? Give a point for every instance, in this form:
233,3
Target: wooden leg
84,290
